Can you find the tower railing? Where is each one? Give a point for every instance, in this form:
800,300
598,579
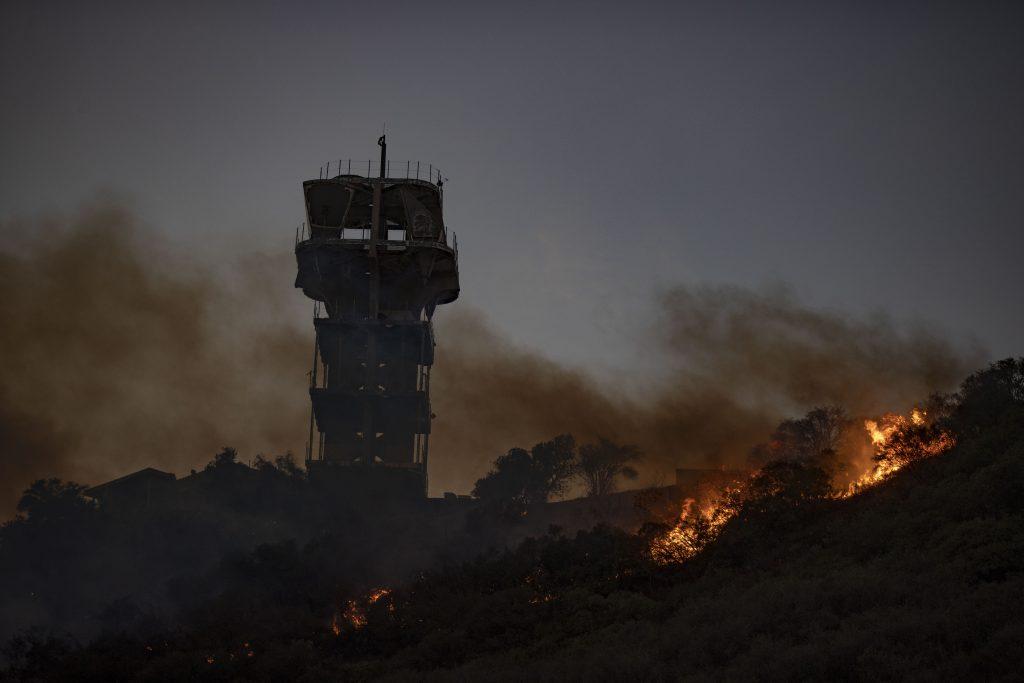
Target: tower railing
396,170
362,234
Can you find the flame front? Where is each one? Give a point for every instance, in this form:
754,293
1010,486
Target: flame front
894,450
877,435
693,530
897,440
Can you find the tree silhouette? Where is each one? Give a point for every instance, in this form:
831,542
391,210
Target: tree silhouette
601,464
53,499
523,478
989,396
813,438
553,463
227,456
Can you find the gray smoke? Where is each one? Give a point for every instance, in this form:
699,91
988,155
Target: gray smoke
736,362
119,353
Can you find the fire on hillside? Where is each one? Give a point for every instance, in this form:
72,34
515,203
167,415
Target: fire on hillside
353,616
896,440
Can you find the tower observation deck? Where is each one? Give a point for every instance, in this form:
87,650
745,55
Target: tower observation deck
375,256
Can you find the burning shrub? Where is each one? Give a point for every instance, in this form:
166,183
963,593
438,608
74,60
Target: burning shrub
899,440
910,442
688,537
354,615
695,528
778,486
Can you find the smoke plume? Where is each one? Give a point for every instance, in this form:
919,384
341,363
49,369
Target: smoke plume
735,363
120,354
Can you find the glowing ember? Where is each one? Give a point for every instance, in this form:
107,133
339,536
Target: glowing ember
335,625
353,616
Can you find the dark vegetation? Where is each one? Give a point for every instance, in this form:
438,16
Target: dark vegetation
71,566
523,479
919,577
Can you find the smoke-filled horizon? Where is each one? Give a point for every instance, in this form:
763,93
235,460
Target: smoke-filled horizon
120,353
868,154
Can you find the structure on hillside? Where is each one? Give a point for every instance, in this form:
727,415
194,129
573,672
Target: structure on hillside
374,255
133,491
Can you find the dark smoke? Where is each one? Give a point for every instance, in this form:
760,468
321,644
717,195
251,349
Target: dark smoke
736,363
117,354
120,354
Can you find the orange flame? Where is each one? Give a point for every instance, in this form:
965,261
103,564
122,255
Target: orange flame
888,463
693,531
354,614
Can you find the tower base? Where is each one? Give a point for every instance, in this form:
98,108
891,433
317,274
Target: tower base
376,486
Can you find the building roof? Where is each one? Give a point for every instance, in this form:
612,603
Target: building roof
148,474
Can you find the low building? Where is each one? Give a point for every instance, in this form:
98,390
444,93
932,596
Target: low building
138,489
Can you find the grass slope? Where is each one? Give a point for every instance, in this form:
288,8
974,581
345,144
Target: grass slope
920,578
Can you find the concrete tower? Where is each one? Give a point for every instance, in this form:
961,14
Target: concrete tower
377,260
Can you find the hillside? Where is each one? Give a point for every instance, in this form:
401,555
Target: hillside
918,577
921,577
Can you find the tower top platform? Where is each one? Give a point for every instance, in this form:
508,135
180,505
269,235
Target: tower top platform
394,171
343,207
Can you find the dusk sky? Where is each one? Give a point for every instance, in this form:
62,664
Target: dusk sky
726,383
869,156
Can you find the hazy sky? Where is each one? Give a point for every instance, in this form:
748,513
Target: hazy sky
870,155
